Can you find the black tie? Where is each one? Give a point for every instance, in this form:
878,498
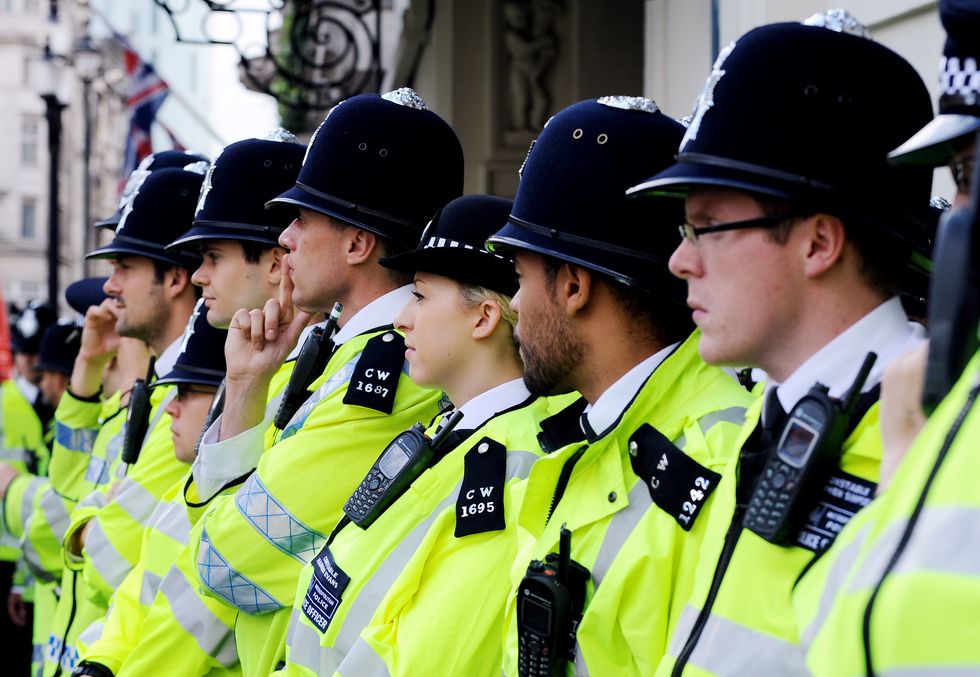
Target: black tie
773,418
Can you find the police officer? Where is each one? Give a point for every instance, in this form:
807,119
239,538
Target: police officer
151,299
241,268
376,170
196,374
24,416
414,564
174,159
798,238
896,591
242,262
599,313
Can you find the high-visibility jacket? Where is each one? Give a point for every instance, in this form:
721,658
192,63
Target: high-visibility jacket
157,621
113,542
79,424
638,554
22,446
739,618
114,538
898,592
89,436
251,549
397,567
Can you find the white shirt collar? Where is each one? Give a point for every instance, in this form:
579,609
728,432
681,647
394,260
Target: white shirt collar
28,389
603,414
482,408
886,331
381,311
165,363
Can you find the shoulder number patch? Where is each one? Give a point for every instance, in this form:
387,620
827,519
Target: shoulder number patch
678,484
375,378
480,504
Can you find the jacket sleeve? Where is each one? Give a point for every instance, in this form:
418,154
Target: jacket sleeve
250,550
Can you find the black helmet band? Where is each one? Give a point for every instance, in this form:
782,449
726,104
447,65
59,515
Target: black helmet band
587,241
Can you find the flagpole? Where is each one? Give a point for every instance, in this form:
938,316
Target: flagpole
180,98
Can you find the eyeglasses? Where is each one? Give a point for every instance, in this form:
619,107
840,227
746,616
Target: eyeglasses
692,233
185,389
962,169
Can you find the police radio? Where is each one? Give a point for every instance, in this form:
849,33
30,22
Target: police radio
310,363
217,406
402,461
550,600
809,448
137,417
954,298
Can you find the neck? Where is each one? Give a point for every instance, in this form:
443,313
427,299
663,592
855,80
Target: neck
603,366
174,328
479,374
825,318
360,295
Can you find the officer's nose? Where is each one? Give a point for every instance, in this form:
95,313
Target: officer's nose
286,238
173,408
515,301
111,286
403,321
685,262
199,278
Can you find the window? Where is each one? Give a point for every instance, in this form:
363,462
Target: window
28,218
28,140
6,6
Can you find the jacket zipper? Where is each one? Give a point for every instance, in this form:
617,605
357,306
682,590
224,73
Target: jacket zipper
563,477
731,540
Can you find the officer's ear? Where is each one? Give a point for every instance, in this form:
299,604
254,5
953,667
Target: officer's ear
361,244
487,316
272,262
573,286
823,242
176,280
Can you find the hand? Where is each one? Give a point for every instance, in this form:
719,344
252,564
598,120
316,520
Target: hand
16,609
99,338
99,343
259,340
900,413
7,475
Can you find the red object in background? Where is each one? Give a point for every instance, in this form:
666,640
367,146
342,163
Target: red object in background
6,357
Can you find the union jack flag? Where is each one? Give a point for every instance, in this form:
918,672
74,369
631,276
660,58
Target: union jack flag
147,92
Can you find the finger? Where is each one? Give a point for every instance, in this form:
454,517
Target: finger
272,319
240,321
257,321
286,284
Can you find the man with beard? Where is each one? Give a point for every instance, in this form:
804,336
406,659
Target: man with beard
151,300
632,465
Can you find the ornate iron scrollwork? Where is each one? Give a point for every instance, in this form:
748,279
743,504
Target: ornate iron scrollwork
315,54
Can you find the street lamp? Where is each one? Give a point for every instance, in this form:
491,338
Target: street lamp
51,85
87,60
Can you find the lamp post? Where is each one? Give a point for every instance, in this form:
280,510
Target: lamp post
87,60
51,92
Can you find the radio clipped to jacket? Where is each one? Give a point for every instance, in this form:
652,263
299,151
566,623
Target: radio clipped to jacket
310,363
550,601
809,449
402,461
137,417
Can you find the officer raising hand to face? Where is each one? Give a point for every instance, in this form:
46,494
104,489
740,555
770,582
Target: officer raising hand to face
258,342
